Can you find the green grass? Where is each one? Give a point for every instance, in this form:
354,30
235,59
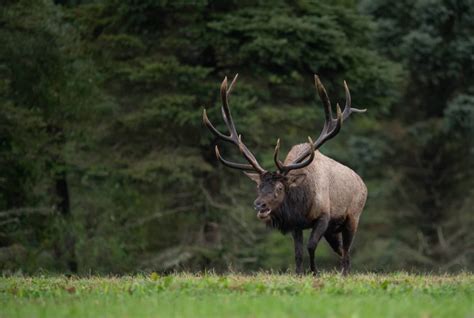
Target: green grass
260,295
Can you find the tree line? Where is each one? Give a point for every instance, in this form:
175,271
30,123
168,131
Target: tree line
105,165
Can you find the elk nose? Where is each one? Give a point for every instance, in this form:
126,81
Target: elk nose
259,205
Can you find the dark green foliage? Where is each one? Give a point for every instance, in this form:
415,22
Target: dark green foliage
433,143
104,161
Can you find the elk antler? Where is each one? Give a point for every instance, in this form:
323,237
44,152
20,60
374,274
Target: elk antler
330,129
234,138
296,165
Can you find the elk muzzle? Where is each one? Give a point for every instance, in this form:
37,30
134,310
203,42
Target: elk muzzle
263,210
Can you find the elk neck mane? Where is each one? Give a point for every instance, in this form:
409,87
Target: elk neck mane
291,213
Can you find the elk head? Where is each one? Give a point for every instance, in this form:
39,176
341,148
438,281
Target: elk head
273,186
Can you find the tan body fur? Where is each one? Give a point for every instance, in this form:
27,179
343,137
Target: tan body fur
338,190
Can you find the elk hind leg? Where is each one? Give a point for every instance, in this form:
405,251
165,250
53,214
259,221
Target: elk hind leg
348,233
335,241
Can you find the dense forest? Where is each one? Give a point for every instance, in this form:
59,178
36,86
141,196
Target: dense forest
106,167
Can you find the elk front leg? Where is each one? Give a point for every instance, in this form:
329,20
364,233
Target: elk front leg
320,226
298,240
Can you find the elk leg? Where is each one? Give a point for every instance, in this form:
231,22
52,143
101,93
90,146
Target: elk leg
348,233
298,240
320,226
335,241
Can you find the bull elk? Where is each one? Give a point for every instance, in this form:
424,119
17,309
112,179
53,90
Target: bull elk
308,190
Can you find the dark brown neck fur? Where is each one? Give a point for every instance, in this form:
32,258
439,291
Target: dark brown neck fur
292,212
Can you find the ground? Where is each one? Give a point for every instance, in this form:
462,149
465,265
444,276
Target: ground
234,295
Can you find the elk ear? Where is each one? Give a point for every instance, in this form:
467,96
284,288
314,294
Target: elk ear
296,180
253,176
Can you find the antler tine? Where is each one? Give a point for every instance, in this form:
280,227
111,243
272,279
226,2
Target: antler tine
225,114
213,129
229,90
278,163
233,137
324,98
328,133
225,107
241,166
348,110
249,156
348,96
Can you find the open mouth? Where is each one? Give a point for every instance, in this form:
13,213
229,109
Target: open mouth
264,214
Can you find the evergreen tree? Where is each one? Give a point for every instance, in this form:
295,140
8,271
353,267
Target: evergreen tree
431,128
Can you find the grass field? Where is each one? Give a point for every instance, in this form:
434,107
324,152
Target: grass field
233,295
